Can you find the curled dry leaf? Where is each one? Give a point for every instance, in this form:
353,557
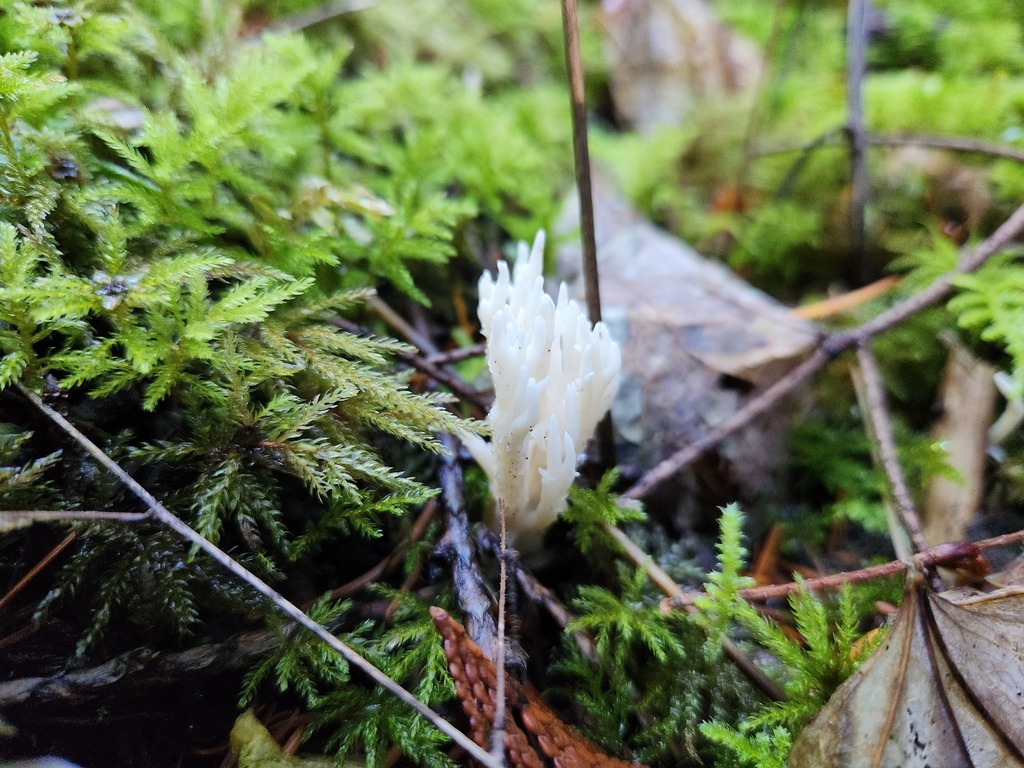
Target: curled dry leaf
946,688
535,737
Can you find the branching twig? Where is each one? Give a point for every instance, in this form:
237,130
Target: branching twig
881,428
160,513
828,349
785,188
952,143
957,554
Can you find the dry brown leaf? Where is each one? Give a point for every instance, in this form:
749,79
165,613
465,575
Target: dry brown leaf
698,343
535,737
946,688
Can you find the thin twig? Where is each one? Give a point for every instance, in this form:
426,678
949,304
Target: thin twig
284,606
668,587
948,555
682,458
830,347
538,593
881,428
13,516
543,596
457,355
451,380
785,188
581,153
400,325
35,570
952,143
17,636
581,157
856,43
419,529
441,375
898,533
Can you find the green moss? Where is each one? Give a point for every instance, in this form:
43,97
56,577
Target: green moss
191,206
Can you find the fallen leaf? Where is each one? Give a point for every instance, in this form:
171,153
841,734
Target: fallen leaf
535,737
945,688
698,343
254,747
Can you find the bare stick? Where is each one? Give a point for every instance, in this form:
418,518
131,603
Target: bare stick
754,408
581,156
856,41
543,596
444,376
15,516
952,143
581,152
881,428
665,583
828,349
538,593
38,568
160,513
400,325
457,354
419,529
951,555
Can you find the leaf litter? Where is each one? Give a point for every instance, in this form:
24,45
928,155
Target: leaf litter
945,688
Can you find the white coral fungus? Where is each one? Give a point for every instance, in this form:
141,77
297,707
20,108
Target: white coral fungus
554,378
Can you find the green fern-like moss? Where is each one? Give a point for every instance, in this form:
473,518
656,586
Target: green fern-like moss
191,210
